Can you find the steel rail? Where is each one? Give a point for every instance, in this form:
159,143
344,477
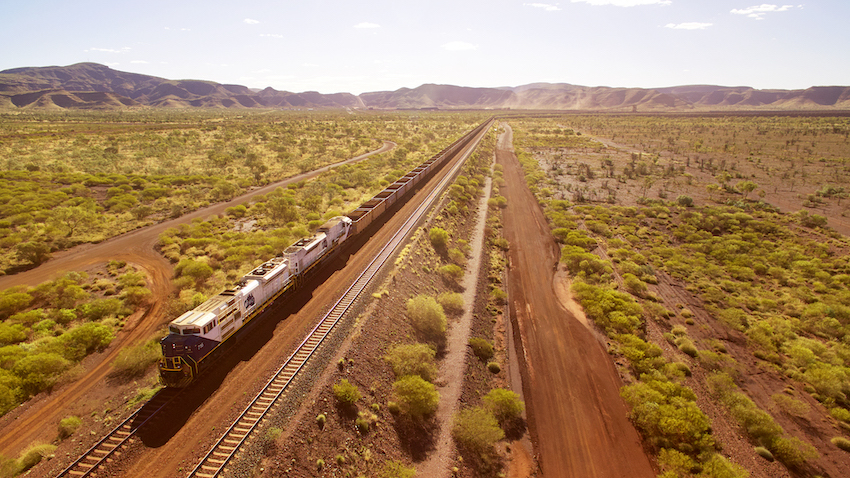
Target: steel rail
113,441
225,449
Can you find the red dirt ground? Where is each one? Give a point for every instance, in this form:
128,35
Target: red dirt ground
578,421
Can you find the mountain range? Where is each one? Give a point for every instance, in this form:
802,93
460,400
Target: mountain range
98,87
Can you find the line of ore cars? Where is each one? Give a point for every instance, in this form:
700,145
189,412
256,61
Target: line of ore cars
194,337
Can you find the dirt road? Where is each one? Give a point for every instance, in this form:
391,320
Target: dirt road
36,421
577,419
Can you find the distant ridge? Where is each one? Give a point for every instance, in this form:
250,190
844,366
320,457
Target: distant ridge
98,87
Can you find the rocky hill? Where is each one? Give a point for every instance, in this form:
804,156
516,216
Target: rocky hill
94,86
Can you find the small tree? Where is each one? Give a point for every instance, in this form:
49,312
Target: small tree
746,187
415,396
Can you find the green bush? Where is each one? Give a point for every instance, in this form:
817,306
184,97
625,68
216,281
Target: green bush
457,256
427,318
842,443
451,271
792,451
499,296
68,425
346,393
439,238
477,430
415,396
80,341
39,371
452,302
688,348
764,453
504,404
396,469
494,367
481,348
33,455
413,359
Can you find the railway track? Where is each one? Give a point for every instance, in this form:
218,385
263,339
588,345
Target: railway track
226,448
118,438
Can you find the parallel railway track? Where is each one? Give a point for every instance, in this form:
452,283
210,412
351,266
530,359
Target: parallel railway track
215,461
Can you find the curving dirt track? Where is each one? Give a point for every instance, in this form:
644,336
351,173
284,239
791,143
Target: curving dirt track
36,421
578,422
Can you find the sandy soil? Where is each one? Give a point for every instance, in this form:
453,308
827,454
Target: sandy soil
36,420
577,419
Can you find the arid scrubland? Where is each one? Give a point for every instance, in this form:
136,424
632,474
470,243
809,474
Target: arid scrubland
700,282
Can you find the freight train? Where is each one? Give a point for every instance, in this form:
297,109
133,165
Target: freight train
194,338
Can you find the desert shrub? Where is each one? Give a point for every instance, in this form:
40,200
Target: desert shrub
39,371
499,296
685,201
477,430
452,302
764,453
667,415
439,238
13,300
321,419
842,443
415,396
790,405
481,348
451,271
687,347
346,393
634,285
504,404
719,467
85,339
494,367
457,256
427,318
135,361
100,309
396,469
12,333
792,451
614,311
413,359
33,455
68,425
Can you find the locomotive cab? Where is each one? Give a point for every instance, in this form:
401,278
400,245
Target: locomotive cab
182,351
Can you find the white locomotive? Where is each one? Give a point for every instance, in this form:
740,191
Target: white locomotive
193,336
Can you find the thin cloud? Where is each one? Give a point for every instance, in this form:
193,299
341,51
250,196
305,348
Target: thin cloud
139,62
759,11
251,21
545,6
624,3
106,50
688,26
459,46
367,25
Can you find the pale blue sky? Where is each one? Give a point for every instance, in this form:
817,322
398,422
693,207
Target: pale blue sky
357,46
